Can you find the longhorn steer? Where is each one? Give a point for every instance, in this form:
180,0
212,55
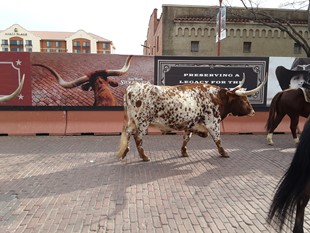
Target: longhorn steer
98,81
192,108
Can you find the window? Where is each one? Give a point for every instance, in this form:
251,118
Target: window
5,49
28,42
16,50
86,51
105,45
58,51
76,51
157,43
28,49
58,43
194,46
86,44
247,47
48,43
48,50
297,48
5,42
76,43
16,42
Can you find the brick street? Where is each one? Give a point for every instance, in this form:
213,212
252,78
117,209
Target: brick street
76,184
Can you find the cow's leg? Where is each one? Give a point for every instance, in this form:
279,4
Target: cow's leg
138,139
125,136
221,150
215,133
186,137
142,127
129,127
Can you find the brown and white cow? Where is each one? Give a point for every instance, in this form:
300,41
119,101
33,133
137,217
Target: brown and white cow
98,81
192,108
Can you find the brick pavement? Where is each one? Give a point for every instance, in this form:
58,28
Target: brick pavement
75,184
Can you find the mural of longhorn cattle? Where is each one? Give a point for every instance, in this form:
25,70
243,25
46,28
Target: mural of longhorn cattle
192,108
98,81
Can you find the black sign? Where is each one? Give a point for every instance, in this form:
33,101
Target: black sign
226,72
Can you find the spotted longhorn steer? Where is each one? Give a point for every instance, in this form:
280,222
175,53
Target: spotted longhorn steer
97,80
192,108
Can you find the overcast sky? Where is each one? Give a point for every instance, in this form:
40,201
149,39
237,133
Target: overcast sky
125,22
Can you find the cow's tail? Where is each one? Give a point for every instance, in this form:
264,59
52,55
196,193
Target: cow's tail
292,184
273,111
123,147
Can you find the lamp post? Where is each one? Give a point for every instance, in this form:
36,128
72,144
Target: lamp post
219,30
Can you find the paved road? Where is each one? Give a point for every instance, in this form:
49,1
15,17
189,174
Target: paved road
75,184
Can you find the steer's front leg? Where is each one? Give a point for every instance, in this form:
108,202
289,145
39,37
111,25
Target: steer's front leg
186,137
215,133
221,150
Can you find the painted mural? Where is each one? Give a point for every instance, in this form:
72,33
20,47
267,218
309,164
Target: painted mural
70,81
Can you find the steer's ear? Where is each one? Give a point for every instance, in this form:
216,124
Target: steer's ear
233,90
86,87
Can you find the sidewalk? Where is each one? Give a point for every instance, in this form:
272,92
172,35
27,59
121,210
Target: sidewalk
75,184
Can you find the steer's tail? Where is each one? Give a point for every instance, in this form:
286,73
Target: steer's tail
123,147
292,184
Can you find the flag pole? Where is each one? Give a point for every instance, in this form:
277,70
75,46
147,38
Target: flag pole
219,30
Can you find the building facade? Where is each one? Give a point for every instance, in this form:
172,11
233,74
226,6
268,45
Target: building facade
191,31
18,39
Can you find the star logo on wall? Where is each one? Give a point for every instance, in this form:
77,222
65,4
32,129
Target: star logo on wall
20,97
18,62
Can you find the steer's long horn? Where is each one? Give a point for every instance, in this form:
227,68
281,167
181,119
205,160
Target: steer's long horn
15,93
63,83
122,70
251,92
241,83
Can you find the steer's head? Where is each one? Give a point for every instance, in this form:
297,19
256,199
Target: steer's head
98,81
98,78
239,105
237,102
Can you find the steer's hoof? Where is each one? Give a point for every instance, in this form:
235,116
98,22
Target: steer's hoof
184,154
122,156
225,155
145,158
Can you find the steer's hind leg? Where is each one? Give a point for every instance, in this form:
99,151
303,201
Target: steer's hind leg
124,148
186,137
138,136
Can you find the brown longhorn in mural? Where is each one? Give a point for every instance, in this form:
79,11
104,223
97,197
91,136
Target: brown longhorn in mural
97,80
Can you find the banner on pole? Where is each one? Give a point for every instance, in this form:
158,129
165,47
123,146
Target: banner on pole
221,24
